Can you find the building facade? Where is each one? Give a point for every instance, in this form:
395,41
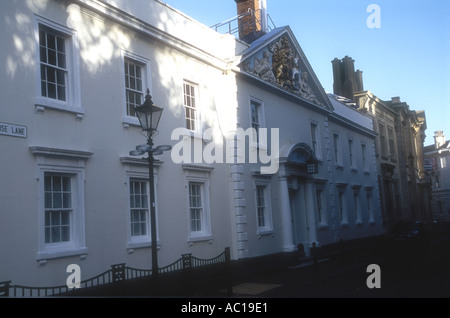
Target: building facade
437,164
404,186
262,160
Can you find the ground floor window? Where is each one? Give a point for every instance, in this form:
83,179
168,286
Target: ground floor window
58,208
139,208
197,214
61,216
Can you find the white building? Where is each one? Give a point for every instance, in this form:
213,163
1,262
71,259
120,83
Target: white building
72,194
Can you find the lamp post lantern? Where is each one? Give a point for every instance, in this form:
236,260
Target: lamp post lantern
149,115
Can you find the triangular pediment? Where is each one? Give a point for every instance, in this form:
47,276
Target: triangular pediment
276,58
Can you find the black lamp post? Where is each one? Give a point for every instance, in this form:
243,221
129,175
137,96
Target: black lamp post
149,115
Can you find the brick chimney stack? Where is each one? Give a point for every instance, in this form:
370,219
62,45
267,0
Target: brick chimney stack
253,23
346,81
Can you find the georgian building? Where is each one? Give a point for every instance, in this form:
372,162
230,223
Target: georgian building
404,186
437,164
263,159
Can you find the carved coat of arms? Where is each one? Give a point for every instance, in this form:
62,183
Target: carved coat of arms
280,65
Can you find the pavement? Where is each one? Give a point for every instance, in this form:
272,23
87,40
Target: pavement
405,271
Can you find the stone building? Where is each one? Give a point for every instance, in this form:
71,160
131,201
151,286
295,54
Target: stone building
437,164
404,187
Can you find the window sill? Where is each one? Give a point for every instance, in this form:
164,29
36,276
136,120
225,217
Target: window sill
128,121
42,104
323,227
262,233
42,256
132,245
196,239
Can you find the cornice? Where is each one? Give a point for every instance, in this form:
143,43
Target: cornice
145,30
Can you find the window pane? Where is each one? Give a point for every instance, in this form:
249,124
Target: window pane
143,229
61,45
42,38
57,200
43,54
65,234
67,200
51,74
135,229
51,57
51,90
61,93
61,78
47,235
55,235
51,41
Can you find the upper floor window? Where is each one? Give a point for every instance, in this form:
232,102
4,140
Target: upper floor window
314,133
392,150
136,75
191,106
337,150
53,64
382,133
256,117
351,154
134,90
364,157
57,68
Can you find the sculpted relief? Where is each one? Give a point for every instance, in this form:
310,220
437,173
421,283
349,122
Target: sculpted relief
280,66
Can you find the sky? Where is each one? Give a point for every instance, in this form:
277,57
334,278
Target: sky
407,56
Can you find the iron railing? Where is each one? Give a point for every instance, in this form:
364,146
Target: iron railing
117,273
242,22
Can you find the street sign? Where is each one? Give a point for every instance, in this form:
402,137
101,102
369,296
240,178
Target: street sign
13,130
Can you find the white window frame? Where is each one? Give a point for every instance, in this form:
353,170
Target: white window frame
205,232
260,109
337,149
320,204
391,143
364,157
146,238
342,205
382,140
197,132
351,154
315,138
72,103
357,207
139,172
145,65
268,220
76,244
369,202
